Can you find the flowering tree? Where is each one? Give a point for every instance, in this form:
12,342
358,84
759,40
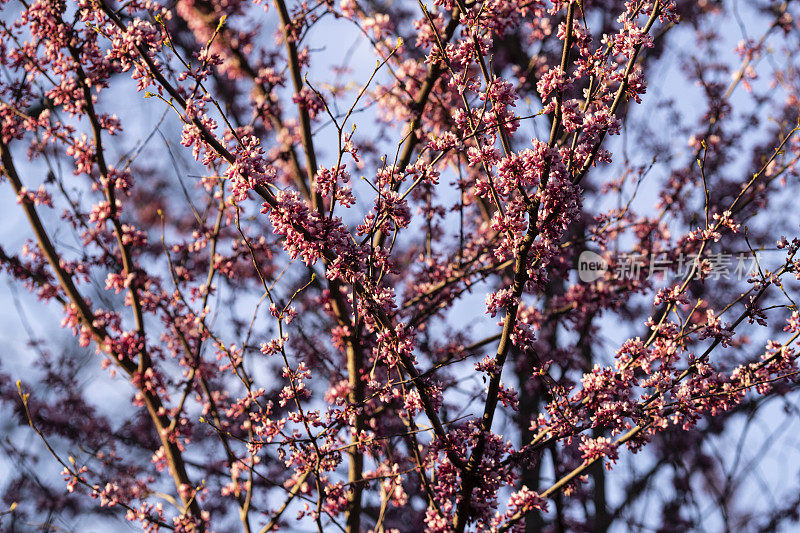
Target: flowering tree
270,262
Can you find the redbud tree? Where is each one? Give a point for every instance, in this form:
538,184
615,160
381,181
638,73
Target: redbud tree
361,265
